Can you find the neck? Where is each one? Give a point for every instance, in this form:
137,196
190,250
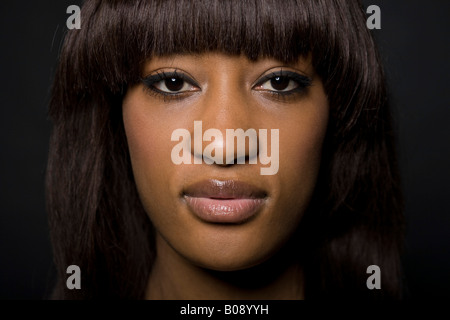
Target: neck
175,278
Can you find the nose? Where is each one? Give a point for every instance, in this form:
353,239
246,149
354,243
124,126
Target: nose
225,120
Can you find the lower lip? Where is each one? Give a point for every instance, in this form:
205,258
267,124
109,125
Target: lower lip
224,210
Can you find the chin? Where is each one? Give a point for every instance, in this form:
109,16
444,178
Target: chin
231,258
230,266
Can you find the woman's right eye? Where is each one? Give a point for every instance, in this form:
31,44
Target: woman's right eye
173,85
170,83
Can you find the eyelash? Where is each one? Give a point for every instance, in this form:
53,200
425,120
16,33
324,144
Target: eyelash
303,82
149,82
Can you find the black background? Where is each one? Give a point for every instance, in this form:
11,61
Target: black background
414,42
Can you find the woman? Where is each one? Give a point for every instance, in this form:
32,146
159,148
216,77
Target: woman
149,196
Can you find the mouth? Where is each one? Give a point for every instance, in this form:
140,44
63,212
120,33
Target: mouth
228,201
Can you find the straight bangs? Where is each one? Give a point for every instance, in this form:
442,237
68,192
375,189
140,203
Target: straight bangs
121,35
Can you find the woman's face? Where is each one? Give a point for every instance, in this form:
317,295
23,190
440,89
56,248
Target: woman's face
206,205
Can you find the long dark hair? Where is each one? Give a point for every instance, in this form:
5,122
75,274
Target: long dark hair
96,219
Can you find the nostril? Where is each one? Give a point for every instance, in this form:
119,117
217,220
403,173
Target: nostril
219,147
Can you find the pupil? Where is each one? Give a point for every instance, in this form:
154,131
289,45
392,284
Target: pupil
174,84
279,83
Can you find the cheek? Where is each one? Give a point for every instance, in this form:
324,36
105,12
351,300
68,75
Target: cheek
148,129
305,137
141,140
145,134
301,144
301,147
147,143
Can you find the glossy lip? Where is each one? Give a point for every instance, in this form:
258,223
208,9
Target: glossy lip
228,201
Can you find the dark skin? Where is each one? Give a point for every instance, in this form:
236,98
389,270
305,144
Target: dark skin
249,260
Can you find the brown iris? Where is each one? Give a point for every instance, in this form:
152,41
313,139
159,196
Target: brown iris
279,83
174,84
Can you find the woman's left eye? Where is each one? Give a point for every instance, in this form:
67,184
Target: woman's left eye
283,82
279,83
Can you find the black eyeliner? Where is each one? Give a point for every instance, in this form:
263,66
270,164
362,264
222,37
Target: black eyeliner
302,80
150,80
163,75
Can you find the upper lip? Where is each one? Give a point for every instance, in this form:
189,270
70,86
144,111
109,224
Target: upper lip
224,189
